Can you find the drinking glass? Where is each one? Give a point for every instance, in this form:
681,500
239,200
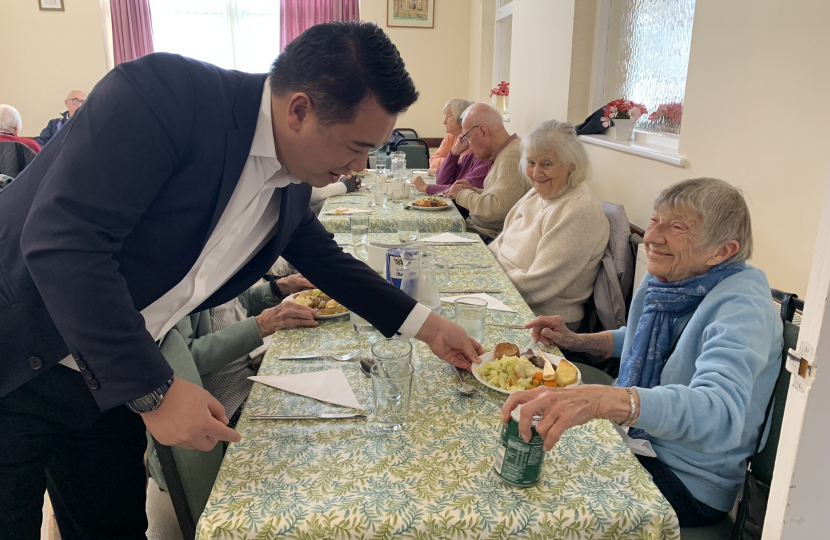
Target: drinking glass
407,230
363,327
380,194
392,388
360,228
380,169
470,314
392,350
396,190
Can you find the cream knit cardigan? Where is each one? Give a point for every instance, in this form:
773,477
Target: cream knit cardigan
551,250
504,185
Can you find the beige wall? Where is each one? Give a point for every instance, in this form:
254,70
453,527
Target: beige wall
540,62
437,59
743,52
582,61
482,35
46,55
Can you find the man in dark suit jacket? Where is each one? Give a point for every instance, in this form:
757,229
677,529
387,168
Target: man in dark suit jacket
173,189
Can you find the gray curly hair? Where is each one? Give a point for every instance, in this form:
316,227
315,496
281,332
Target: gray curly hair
553,136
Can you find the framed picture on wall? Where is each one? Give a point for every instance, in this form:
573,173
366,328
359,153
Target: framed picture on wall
50,5
410,13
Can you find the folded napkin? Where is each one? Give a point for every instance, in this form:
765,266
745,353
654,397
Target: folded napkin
492,303
449,237
266,342
330,386
348,212
640,447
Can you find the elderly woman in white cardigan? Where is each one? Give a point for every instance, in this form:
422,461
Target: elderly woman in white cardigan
554,238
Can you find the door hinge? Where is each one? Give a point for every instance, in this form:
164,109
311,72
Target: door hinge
800,364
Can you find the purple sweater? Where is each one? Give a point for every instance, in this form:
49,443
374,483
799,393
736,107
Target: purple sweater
469,167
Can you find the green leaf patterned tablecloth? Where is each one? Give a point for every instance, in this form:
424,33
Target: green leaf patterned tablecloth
348,479
385,219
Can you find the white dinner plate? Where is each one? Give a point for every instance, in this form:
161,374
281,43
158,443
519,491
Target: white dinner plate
488,357
410,206
290,298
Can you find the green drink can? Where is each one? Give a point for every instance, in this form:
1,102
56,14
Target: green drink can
517,462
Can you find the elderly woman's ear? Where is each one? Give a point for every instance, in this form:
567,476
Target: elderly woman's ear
724,252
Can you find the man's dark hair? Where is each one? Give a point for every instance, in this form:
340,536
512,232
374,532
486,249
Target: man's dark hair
341,64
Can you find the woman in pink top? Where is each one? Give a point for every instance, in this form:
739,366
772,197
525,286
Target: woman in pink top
452,122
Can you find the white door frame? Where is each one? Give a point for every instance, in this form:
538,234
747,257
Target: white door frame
800,492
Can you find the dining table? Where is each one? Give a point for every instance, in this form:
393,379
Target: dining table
433,479
384,218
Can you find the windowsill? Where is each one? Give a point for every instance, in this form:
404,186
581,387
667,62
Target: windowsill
505,118
656,147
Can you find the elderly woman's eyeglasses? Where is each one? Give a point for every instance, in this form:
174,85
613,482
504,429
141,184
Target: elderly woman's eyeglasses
464,137
76,101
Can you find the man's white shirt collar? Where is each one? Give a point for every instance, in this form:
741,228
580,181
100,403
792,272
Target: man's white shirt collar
264,146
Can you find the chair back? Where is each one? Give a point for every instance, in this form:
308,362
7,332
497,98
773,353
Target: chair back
14,157
189,475
416,150
615,279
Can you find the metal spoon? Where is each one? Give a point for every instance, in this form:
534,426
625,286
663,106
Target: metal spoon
465,389
366,365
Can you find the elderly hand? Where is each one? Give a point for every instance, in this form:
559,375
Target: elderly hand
285,315
450,342
419,184
293,283
352,182
552,331
190,418
564,408
459,147
432,171
457,187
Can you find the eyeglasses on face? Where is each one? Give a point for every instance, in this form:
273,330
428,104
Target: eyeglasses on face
76,101
464,137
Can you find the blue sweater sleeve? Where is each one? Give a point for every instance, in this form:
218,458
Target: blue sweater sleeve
619,339
730,341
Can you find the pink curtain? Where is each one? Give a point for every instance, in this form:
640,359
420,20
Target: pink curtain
132,29
298,15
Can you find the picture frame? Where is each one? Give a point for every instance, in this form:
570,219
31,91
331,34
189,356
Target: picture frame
50,5
410,13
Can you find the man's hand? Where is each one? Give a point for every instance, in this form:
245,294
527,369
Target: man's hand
456,187
450,342
552,330
459,147
293,283
564,408
285,315
190,418
352,182
419,184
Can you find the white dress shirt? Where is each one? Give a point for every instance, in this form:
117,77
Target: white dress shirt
251,214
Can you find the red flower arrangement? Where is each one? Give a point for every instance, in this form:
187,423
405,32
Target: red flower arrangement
503,89
672,112
622,109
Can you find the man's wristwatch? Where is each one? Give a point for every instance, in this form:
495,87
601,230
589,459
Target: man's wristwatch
151,401
275,288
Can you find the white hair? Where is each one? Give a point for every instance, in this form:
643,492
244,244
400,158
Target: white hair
555,137
720,207
457,108
10,118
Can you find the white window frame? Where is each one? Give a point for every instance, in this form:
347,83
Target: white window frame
502,14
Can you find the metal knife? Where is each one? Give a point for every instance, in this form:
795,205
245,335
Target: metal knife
324,416
511,326
470,291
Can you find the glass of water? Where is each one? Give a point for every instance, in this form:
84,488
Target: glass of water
360,228
470,314
407,230
380,194
392,388
363,327
380,169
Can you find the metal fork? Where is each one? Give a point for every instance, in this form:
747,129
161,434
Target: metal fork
342,358
471,265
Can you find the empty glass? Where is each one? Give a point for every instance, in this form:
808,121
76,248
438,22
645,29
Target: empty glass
360,228
363,327
470,314
392,350
407,230
392,387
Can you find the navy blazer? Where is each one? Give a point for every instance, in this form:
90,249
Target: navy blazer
115,211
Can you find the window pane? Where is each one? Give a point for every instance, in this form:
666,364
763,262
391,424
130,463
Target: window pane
195,28
504,2
506,39
257,34
648,56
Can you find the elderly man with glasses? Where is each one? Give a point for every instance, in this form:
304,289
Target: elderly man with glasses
73,102
484,134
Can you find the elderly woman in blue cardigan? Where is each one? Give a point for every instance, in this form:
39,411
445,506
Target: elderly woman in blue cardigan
700,354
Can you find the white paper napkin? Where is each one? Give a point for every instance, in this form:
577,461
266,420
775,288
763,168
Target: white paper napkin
640,447
348,212
449,237
330,386
492,303
266,341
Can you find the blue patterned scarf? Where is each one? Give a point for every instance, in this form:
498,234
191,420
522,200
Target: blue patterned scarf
664,303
